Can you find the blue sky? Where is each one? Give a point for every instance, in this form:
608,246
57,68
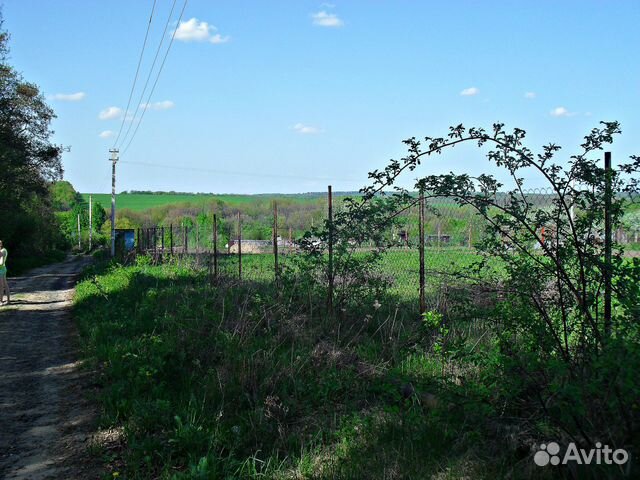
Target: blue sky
289,96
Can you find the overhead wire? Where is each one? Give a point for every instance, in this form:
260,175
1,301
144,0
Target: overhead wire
135,78
155,83
146,105
153,65
231,172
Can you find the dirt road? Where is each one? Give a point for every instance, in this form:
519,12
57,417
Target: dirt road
45,417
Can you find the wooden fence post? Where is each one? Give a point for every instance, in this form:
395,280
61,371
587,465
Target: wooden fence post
171,238
185,239
421,244
607,243
275,239
239,247
330,265
215,246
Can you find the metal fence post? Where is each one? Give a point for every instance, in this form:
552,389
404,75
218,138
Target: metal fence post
239,247
162,239
421,247
215,246
607,243
185,239
330,265
275,239
171,237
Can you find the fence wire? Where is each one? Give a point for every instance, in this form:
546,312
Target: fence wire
238,246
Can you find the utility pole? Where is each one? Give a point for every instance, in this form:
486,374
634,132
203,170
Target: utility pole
114,159
90,223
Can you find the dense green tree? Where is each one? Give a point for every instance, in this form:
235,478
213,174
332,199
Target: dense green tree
99,216
64,196
29,161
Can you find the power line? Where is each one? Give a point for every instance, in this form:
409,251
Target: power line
153,64
236,173
147,103
135,78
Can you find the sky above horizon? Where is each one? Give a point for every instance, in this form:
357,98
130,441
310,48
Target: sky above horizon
290,96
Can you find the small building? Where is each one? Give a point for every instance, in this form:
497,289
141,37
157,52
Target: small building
125,240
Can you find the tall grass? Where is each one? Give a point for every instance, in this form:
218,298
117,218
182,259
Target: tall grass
240,380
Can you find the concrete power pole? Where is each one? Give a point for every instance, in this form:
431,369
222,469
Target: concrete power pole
114,159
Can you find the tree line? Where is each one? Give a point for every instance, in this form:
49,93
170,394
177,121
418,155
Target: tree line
30,162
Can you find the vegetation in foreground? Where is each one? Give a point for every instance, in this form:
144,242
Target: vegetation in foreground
264,379
245,381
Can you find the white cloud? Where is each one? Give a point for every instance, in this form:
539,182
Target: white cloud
470,92
561,112
306,129
106,134
217,39
164,105
110,113
530,95
195,31
69,97
324,19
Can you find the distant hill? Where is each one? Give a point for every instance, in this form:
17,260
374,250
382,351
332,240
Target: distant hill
140,201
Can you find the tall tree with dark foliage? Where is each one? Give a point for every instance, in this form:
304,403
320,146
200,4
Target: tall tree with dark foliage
29,161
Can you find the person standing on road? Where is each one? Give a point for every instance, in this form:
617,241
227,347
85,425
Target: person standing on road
4,286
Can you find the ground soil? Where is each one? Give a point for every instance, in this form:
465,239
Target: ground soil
47,420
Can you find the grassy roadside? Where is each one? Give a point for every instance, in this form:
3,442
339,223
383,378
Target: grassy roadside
225,382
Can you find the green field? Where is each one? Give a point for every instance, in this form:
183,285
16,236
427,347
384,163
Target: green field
143,201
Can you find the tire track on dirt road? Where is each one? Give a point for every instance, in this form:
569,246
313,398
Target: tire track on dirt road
46,421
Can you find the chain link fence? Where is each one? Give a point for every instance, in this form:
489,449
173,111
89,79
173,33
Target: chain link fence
428,241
